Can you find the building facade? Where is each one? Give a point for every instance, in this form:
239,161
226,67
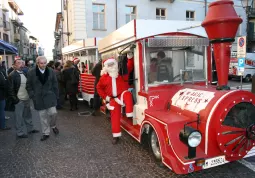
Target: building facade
13,31
83,19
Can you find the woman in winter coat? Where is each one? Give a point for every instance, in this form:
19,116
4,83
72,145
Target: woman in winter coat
3,92
71,80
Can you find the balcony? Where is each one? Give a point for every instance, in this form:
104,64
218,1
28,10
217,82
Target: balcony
251,13
16,37
4,8
16,21
6,26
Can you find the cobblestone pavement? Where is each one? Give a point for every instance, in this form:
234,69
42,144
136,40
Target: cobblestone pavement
83,149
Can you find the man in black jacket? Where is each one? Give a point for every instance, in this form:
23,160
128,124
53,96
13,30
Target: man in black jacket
19,97
96,71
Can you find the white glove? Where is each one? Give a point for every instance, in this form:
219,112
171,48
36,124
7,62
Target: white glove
109,107
107,99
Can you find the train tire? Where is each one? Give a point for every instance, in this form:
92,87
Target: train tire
154,146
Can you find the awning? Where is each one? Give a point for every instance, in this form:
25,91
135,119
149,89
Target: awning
6,48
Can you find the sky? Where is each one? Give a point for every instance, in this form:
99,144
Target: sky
39,18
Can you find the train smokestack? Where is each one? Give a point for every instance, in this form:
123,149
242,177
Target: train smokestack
221,24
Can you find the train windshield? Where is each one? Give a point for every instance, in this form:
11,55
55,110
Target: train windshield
170,65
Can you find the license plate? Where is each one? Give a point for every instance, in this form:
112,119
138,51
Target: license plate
212,162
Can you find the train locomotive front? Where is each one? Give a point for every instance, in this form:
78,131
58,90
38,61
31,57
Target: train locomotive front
207,126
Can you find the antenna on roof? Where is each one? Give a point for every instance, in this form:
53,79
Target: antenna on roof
186,28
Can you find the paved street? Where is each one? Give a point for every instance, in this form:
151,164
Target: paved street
84,149
234,83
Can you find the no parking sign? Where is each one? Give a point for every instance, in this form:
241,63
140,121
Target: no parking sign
241,47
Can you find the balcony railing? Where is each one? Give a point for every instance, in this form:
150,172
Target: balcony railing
6,25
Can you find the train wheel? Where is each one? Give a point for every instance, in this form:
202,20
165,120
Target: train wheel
154,145
236,134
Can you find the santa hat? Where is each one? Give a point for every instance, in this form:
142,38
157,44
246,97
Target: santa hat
107,61
76,59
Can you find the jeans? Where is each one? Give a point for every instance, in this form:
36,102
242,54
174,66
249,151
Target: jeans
2,114
23,118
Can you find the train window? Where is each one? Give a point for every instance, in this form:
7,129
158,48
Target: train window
169,65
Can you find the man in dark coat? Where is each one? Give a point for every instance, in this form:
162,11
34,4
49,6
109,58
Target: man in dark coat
96,71
42,87
61,85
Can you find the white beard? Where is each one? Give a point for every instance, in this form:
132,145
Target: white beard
113,71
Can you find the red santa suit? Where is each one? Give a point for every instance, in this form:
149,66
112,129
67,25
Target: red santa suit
114,90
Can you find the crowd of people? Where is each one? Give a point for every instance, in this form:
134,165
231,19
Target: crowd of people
38,91
32,91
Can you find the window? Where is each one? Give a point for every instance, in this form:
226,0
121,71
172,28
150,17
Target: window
5,37
161,14
165,65
130,13
190,15
98,16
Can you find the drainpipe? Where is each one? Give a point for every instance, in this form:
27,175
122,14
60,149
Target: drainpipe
62,38
116,15
205,7
67,20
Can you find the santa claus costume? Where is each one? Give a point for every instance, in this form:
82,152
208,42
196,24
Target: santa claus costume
113,88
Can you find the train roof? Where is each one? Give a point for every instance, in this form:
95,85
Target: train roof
140,29
89,43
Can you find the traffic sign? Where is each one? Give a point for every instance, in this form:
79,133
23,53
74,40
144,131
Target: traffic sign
241,47
241,66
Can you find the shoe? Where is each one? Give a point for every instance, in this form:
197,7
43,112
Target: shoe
115,140
55,130
44,137
59,107
23,136
6,128
33,131
96,113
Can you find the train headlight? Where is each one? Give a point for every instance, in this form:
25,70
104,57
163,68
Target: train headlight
192,138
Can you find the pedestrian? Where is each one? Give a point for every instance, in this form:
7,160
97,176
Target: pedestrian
10,69
18,93
24,68
114,90
71,79
96,102
3,93
61,85
51,64
75,63
42,87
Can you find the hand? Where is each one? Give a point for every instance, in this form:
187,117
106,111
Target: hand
109,107
107,98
